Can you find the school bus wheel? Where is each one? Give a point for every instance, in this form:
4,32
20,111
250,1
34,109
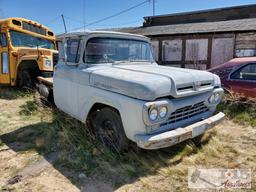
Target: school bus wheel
26,79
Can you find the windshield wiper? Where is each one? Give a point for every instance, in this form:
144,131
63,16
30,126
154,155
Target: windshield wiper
120,62
130,61
139,60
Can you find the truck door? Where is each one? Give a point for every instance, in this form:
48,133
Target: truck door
66,80
4,60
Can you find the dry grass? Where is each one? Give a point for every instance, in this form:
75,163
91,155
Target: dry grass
41,130
240,109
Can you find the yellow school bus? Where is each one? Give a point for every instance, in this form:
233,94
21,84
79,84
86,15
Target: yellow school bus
27,50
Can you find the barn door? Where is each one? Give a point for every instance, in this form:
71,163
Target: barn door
222,50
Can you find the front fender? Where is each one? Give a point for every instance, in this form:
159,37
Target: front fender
130,109
87,104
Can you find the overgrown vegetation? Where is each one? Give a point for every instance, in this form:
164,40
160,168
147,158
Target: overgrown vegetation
28,108
240,109
14,93
47,130
79,150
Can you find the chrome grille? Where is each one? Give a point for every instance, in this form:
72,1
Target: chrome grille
201,85
186,112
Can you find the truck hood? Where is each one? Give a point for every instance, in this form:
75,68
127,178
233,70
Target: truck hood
29,51
151,81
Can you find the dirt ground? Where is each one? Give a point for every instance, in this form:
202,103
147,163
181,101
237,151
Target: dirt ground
230,146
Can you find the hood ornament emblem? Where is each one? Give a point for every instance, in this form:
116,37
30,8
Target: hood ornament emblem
197,85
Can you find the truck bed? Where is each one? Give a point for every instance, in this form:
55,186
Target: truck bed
48,81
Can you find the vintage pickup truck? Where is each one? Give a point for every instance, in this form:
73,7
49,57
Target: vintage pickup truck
111,80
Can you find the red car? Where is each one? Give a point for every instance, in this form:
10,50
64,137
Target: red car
238,75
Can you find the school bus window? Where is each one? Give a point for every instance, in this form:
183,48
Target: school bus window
19,39
5,63
3,40
15,22
50,33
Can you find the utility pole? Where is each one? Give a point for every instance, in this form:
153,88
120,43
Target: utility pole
63,19
153,7
84,13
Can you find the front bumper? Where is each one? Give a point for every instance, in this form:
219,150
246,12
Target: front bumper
47,74
178,135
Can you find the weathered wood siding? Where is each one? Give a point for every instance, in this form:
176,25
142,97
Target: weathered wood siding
222,50
245,44
203,51
155,46
172,50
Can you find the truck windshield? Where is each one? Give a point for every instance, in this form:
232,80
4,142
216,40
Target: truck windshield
111,50
20,39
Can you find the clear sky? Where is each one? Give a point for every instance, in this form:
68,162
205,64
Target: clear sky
77,12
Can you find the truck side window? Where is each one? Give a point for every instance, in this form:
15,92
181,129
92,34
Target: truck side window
3,40
61,55
247,72
73,50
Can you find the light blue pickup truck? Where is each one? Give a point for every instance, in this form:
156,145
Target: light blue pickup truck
111,80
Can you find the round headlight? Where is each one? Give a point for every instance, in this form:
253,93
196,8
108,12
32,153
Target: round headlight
163,112
216,97
211,99
153,113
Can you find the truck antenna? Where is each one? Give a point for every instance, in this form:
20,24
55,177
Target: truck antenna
64,23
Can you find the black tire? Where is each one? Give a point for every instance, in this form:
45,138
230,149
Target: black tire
26,79
108,129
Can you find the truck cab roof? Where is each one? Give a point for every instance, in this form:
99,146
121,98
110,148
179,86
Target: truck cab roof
103,34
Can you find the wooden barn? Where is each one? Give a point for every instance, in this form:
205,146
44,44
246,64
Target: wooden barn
201,39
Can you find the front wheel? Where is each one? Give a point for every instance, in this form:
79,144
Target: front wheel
26,79
109,130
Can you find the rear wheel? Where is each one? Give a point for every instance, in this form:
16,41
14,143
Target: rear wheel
108,128
26,79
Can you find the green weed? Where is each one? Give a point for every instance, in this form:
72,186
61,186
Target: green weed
243,113
28,108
